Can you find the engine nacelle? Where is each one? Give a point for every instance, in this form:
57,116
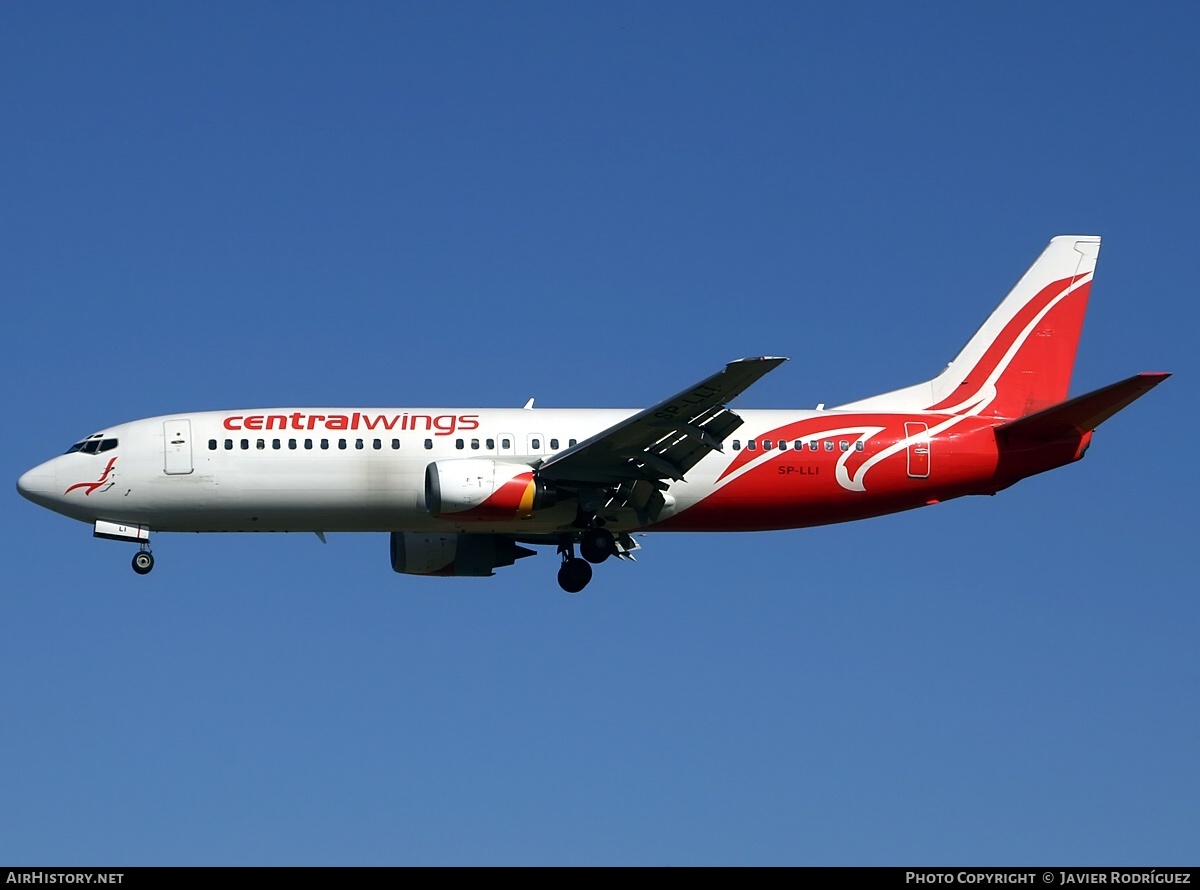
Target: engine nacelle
481,490
416,553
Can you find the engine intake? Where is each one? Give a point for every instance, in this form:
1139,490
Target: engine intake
482,490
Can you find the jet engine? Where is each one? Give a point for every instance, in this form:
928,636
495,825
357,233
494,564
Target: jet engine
416,553
482,490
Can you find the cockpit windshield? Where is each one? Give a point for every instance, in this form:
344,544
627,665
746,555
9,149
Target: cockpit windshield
93,445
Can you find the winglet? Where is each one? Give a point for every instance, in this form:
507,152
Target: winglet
742,372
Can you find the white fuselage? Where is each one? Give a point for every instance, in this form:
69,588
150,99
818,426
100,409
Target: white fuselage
325,469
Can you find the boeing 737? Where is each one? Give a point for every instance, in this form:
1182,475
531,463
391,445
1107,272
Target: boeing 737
464,491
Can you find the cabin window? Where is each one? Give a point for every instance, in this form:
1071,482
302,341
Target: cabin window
491,444
395,444
536,445
292,444
506,443
860,445
812,444
554,444
571,443
276,444
844,445
261,444
751,445
768,444
245,444
798,444
229,444
737,445
829,444
783,444
474,444
212,444
460,444
324,444
342,444
358,443
428,444
377,444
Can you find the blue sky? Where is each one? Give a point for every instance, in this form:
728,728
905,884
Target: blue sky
227,205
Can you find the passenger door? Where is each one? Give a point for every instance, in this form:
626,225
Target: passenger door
918,449
177,447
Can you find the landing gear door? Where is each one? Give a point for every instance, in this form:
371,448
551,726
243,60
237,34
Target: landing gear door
918,449
177,447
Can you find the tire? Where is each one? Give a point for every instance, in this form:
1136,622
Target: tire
597,545
143,562
574,575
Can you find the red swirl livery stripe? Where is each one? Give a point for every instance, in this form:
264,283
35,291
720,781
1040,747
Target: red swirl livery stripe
1027,362
849,428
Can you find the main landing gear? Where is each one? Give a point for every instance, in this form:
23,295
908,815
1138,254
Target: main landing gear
574,573
143,561
596,544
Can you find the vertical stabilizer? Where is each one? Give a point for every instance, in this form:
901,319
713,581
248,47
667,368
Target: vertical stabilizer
1021,360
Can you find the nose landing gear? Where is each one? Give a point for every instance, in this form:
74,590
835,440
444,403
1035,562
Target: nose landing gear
143,561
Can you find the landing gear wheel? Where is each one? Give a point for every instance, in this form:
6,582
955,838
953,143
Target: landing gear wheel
143,562
574,575
597,545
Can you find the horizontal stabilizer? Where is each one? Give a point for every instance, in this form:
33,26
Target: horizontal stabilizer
1082,414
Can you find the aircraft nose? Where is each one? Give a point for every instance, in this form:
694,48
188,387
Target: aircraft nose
38,484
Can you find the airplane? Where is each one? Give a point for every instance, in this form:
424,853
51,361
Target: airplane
465,492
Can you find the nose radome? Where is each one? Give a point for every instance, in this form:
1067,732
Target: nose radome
37,484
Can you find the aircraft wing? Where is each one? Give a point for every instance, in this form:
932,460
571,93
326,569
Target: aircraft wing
664,441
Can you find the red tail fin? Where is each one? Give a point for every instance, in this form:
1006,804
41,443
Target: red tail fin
1020,361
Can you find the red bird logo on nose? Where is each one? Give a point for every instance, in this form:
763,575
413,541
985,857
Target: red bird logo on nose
92,486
